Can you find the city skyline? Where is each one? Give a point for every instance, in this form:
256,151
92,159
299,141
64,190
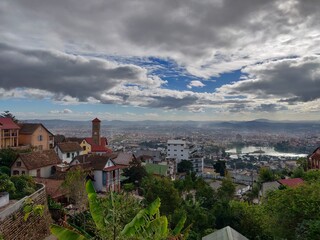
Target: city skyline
160,60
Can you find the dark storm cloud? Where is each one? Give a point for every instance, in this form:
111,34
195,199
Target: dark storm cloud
171,102
270,108
290,80
180,28
62,74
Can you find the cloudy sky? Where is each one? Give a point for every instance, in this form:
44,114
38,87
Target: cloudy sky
160,59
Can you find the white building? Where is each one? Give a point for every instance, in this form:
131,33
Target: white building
179,150
68,151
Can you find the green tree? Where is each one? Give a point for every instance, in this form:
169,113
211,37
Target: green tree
5,170
25,185
8,114
266,175
135,173
164,189
227,189
303,163
6,185
220,167
289,208
7,157
185,166
74,185
147,224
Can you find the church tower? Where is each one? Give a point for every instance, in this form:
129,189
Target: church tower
96,131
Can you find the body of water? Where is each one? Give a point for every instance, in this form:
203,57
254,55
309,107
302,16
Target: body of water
255,151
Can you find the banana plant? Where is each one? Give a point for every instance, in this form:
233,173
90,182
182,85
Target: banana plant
147,224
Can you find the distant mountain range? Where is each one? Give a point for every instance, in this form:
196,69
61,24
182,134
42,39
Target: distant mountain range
258,124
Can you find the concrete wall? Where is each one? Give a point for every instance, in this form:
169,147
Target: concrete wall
45,172
13,226
4,199
98,181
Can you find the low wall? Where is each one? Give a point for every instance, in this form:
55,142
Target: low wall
4,199
13,226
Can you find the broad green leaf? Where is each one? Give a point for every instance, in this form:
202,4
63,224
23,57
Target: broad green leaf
95,207
65,234
178,228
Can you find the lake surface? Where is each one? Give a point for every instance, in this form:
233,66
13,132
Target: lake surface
255,151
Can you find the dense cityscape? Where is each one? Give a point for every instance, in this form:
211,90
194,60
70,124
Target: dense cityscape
159,120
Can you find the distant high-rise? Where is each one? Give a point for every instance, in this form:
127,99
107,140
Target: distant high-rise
96,131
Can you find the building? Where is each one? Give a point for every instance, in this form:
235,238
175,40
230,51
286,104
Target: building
154,155
36,164
36,135
105,172
197,163
177,149
9,133
226,233
314,159
95,144
68,150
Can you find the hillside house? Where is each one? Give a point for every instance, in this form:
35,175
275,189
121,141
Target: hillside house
314,159
36,135
9,133
68,150
36,164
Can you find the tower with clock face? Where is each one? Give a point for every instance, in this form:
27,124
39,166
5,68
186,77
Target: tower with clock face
96,131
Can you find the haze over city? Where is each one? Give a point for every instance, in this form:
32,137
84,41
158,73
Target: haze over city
160,60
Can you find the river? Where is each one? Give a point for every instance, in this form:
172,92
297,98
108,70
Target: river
252,150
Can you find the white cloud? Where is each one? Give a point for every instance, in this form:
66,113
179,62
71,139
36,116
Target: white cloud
195,83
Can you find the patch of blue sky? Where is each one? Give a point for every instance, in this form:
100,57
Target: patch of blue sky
177,77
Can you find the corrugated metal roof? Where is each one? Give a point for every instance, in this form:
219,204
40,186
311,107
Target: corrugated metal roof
226,233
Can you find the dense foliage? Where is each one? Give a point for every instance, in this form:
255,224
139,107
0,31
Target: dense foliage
17,186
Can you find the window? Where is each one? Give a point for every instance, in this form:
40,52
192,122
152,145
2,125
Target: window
181,155
181,150
104,178
15,172
68,155
169,150
175,150
84,148
18,164
23,172
38,173
40,138
72,155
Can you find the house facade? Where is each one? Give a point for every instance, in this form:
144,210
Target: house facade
314,159
9,133
36,164
36,135
68,150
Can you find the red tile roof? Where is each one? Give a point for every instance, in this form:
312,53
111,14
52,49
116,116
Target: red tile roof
292,182
66,147
99,148
7,123
96,120
39,159
30,128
